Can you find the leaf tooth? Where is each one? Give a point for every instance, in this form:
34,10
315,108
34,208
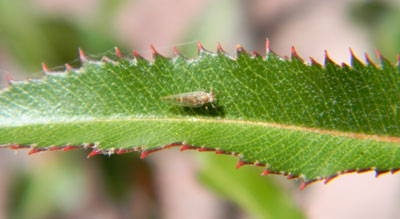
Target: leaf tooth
330,178
68,68
154,52
118,52
355,62
291,176
136,54
267,46
187,147
200,48
94,152
359,171
258,164
240,50
138,57
315,63
295,55
256,54
383,61
328,59
10,80
16,146
82,56
203,149
68,148
378,173
218,151
123,151
45,69
378,54
345,66
36,150
106,59
348,171
147,152
220,49
241,163
369,61
55,148
176,52
268,49
304,184
266,172
393,171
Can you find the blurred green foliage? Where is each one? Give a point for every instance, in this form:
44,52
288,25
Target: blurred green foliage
31,36
381,18
261,197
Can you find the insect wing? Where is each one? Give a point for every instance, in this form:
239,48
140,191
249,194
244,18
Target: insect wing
192,99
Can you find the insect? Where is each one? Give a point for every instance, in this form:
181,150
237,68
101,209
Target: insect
192,99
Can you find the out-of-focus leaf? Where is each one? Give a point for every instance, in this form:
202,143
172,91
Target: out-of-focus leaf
259,196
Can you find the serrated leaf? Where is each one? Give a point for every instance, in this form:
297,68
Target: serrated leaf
297,119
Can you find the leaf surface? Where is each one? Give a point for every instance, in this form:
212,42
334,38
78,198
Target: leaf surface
297,119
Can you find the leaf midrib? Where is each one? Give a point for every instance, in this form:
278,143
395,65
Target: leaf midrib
378,138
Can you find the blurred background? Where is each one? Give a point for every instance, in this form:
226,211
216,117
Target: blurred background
173,184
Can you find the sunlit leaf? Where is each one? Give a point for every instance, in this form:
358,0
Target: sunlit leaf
297,119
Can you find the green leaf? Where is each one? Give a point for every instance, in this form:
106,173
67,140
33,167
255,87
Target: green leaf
260,197
301,120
